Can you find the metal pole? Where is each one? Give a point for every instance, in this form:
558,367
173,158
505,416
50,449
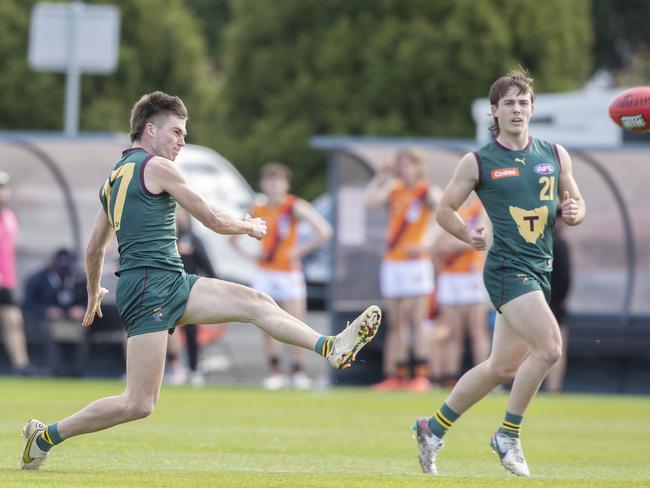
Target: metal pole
73,74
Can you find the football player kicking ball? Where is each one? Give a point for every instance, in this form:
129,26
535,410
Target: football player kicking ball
154,294
518,179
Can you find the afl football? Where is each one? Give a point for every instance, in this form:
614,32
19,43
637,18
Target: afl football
631,109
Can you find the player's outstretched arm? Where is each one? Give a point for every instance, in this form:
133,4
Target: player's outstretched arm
99,237
160,175
462,183
573,205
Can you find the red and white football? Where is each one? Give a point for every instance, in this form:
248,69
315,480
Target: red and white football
631,109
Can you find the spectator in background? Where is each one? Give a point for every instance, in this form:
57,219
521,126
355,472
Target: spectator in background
279,269
462,297
56,296
196,261
438,333
11,318
560,287
407,269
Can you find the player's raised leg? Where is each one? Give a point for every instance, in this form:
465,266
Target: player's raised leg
215,301
144,371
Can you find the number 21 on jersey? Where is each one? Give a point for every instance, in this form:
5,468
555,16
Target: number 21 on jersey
548,187
124,174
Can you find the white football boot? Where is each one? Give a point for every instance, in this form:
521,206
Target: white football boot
275,382
355,335
510,453
33,457
300,381
429,445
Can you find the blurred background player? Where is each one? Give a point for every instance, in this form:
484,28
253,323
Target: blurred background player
279,268
55,300
560,288
195,261
11,318
438,333
407,269
461,297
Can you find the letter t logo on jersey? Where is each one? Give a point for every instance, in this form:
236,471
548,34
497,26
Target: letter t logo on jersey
530,223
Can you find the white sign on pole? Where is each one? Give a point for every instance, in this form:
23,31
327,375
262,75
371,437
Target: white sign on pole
52,32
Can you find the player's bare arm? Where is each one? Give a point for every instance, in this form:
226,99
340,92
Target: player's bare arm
433,197
571,201
463,182
304,211
160,175
99,237
380,186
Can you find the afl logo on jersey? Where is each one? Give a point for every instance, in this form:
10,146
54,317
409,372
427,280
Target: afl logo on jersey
414,211
544,169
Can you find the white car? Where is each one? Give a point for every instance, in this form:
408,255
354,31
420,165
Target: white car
219,182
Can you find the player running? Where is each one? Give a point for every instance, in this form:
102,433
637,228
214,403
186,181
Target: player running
518,179
154,294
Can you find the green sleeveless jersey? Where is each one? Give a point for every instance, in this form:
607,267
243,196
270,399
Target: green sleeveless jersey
519,192
144,223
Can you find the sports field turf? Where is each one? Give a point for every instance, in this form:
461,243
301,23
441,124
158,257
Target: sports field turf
344,437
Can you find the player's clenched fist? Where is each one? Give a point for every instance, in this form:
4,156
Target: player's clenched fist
257,227
569,208
478,238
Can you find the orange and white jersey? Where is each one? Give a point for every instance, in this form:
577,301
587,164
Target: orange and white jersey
471,260
281,236
409,219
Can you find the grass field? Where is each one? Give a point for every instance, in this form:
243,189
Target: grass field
339,438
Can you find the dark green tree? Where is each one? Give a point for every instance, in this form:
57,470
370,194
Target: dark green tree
160,49
620,29
213,16
295,68
28,99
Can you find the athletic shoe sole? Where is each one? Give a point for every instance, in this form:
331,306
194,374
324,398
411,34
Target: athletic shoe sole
367,330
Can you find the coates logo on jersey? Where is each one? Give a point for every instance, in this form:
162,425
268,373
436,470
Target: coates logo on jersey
544,169
504,173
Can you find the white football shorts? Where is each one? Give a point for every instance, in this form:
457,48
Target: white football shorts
280,285
460,289
408,278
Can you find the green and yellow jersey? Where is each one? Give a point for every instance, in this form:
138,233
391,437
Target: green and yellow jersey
143,222
519,192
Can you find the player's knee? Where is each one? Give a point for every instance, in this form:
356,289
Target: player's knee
144,410
503,372
551,354
140,409
260,303
264,298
